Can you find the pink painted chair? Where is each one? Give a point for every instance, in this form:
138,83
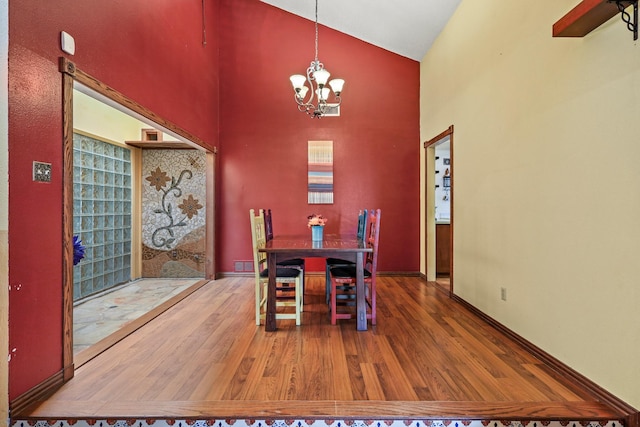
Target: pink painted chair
343,278
337,262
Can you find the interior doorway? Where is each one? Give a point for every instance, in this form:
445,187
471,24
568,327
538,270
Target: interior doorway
439,209
111,167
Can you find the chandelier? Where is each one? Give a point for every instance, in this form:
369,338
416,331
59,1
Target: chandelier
318,74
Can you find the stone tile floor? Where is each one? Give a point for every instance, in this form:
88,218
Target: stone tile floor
98,317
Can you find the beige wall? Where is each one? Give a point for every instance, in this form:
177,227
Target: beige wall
546,179
96,118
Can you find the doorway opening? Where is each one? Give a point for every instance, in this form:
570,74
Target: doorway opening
107,140
439,209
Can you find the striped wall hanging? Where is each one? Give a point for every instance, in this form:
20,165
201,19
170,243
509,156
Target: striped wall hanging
320,176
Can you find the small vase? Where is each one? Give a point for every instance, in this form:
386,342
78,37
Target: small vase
316,233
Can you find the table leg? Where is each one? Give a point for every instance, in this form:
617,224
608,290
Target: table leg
270,316
361,303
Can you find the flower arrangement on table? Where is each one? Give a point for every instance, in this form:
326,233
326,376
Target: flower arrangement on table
316,219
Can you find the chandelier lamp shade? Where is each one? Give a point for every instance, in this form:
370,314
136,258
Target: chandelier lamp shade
319,88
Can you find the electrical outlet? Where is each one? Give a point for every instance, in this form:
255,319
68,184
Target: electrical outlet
41,172
503,294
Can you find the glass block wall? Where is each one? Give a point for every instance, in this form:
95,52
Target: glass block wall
101,215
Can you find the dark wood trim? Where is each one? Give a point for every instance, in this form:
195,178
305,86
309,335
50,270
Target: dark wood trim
174,145
37,394
67,227
228,274
451,210
523,413
225,274
398,274
563,372
448,132
584,18
437,138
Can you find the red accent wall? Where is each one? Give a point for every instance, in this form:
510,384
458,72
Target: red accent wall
233,93
154,54
263,137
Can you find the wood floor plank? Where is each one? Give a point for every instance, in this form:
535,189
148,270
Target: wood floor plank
371,381
393,375
428,356
549,385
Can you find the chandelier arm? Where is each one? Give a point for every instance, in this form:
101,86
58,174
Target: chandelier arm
310,80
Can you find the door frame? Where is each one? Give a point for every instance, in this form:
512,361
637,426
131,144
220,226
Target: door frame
71,74
429,208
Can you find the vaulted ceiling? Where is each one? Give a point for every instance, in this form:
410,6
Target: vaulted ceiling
405,27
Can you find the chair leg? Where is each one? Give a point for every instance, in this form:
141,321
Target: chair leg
373,303
333,302
327,283
302,290
258,302
298,301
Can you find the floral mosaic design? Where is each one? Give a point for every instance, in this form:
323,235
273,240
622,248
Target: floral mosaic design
164,237
173,213
173,196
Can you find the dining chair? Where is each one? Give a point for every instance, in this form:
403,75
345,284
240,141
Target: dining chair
343,277
335,262
286,294
289,263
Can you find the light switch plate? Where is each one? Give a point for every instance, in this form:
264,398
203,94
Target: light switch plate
41,172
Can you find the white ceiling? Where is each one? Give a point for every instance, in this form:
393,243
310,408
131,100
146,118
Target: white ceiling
405,27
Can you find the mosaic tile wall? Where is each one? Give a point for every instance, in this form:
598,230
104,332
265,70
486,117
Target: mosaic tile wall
173,213
101,214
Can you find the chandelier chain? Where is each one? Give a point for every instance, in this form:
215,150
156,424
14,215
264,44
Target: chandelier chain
316,31
318,85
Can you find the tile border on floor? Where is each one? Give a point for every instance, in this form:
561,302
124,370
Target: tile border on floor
185,422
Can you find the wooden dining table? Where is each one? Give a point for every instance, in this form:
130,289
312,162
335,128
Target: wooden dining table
348,247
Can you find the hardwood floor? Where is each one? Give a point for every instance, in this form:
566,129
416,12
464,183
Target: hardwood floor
428,357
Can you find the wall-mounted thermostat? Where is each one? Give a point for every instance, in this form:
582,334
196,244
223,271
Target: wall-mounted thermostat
67,43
